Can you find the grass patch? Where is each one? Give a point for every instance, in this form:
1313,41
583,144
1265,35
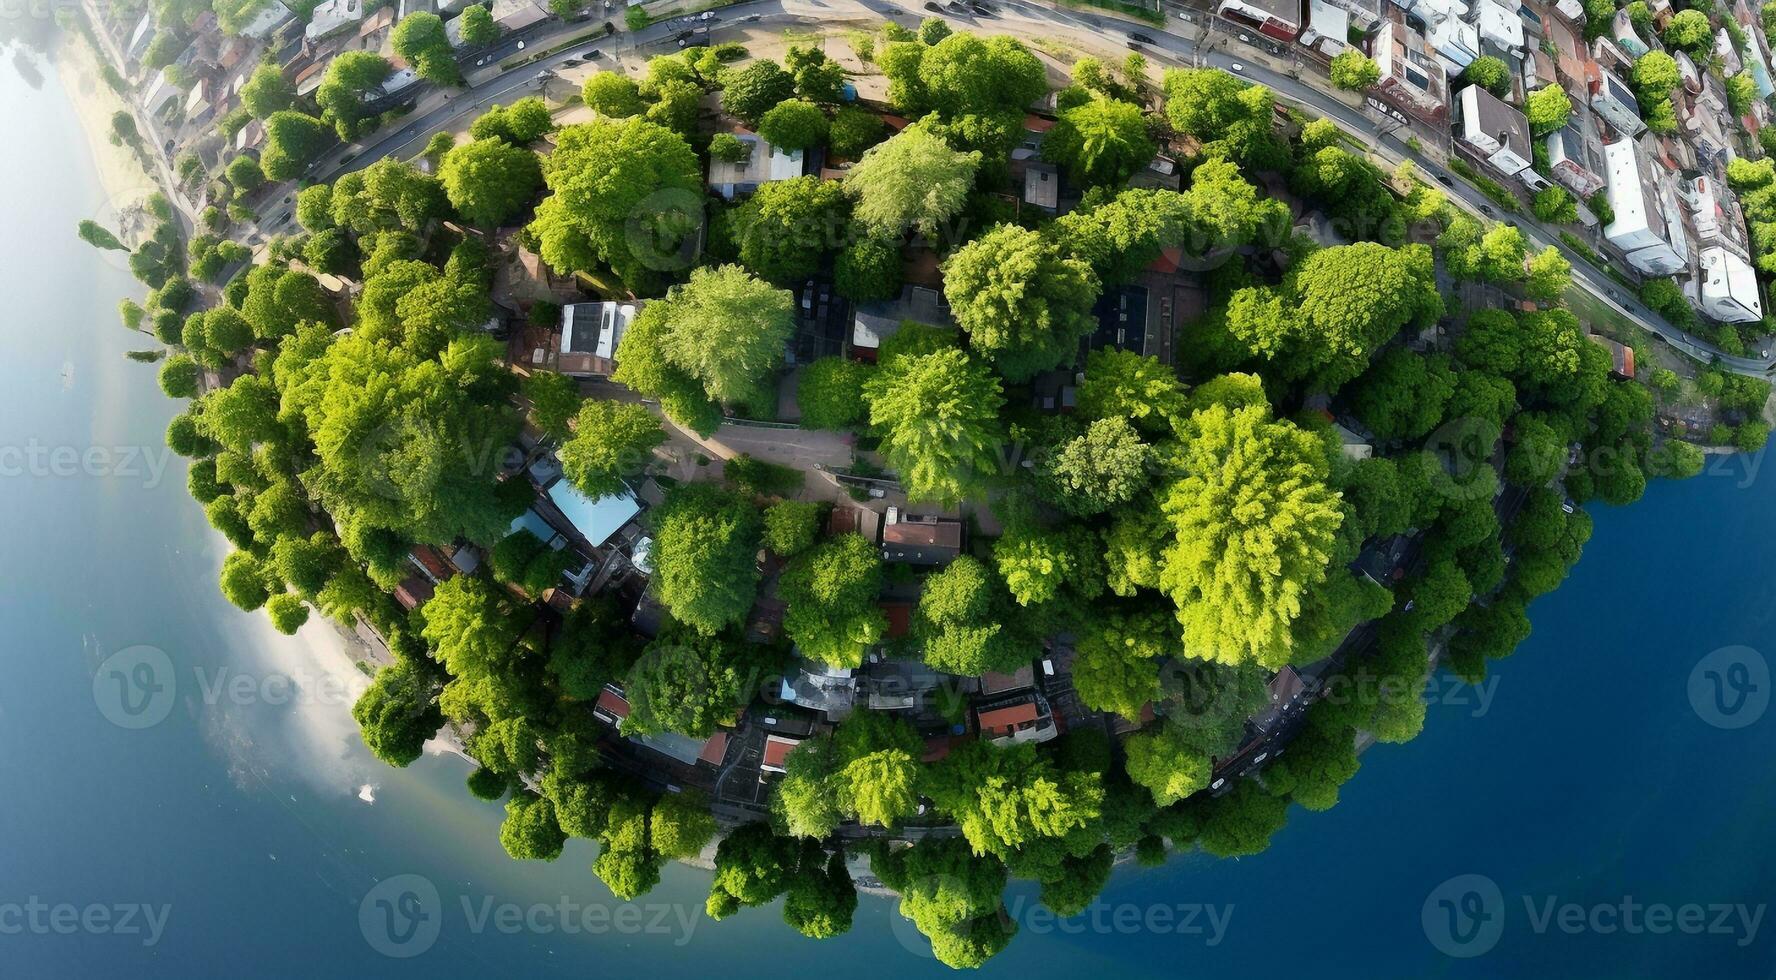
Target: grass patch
1493,190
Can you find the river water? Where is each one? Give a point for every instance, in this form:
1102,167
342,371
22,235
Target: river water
218,813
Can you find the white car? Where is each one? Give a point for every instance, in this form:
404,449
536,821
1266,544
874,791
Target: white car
1236,66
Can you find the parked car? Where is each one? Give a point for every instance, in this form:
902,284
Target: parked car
933,7
1236,66
1142,38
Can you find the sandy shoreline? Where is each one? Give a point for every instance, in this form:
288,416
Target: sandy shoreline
126,185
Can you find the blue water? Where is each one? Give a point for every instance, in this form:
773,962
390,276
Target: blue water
1588,777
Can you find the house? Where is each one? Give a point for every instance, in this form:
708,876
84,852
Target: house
1572,62
994,684
1572,10
911,540
611,707
197,103
1279,19
1714,217
590,333
1412,79
764,163
140,38
1615,102
1354,446
597,521
250,135
1626,37
271,17
333,16
1575,157
1456,41
846,519
1364,13
1493,130
160,94
1646,227
1025,719
819,687
1728,53
1500,28
776,754
1728,288
1621,356
1121,313
876,322
1042,186
1328,28
1289,695
516,15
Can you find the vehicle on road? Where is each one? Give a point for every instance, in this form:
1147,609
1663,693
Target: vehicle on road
980,11
1488,211
1443,178
521,45
933,7
1236,66
1142,38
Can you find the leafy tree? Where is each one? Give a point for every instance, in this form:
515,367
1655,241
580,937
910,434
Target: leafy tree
1490,73
821,898
1549,275
818,78
287,612
1232,118
1320,760
1548,108
352,79
1555,205
554,400
244,173
420,40
489,181
723,329
914,180
938,414
267,91
1122,236
1404,394
868,269
1689,30
1024,302
529,832
1100,143
1116,664
520,124
98,236
830,591
964,74
1255,523
398,712
757,89
478,28
952,895
1335,307
179,377
791,527
1009,798
612,94
804,803
705,544
788,225
959,626
752,867
793,125
1353,71
1124,384
830,393
243,581
1105,467
853,131
680,825
600,175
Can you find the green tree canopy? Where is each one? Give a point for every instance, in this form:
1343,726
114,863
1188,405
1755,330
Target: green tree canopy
1023,301
938,414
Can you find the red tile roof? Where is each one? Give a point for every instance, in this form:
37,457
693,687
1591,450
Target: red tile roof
1004,721
715,749
777,749
613,703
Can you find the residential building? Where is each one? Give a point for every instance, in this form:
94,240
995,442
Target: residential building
1412,79
1456,41
594,520
1728,53
516,15
334,16
876,322
1024,719
1042,186
776,754
1494,131
1714,215
820,687
763,164
1626,38
1328,28
1500,28
1652,240
1621,356
1572,61
140,38
1575,156
1728,287
914,540
590,333
1364,13
1572,10
1615,102
272,16
1279,19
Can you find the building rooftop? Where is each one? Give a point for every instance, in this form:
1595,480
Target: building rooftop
596,520
921,540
